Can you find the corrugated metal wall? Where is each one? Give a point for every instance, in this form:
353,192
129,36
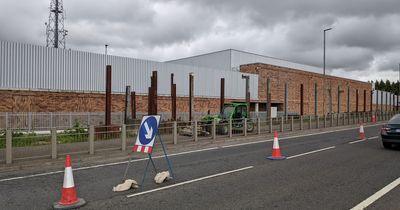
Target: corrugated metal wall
386,100
215,60
25,66
239,58
230,60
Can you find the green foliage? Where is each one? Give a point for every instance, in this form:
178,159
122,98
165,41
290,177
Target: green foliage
75,134
392,87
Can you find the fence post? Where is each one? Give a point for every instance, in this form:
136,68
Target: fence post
88,118
123,137
301,122
230,128
258,126
331,119
338,119
214,129
291,123
51,120
245,127
195,130
317,118
175,132
8,146
281,127
70,120
7,120
29,121
324,120
364,117
309,122
91,139
270,125
53,132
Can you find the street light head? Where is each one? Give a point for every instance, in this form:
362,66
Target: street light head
245,76
328,29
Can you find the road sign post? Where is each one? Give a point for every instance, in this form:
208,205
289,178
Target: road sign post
148,131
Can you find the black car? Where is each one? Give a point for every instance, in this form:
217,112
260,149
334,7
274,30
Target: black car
390,132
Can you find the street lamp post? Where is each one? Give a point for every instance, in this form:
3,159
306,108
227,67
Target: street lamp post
323,105
398,93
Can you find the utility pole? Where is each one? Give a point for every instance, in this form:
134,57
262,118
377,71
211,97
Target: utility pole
323,105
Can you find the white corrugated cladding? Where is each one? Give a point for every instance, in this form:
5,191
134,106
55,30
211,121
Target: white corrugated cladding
383,97
25,66
240,58
215,60
230,60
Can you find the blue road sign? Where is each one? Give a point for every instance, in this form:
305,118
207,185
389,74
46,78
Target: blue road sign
148,130
147,133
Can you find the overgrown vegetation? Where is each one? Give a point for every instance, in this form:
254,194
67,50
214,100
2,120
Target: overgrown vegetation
22,139
392,87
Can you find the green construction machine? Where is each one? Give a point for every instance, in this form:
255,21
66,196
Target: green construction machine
236,112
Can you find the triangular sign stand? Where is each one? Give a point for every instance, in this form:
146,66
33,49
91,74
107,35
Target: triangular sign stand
148,131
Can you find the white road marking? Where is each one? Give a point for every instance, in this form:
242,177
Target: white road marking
103,165
362,140
291,137
377,195
311,152
189,181
181,153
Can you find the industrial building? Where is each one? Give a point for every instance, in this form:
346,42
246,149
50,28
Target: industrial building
41,79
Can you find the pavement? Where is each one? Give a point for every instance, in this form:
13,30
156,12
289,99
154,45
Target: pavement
325,169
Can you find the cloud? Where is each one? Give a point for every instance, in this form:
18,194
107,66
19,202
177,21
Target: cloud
363,43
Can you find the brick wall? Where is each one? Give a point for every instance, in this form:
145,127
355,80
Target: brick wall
279,75
50,101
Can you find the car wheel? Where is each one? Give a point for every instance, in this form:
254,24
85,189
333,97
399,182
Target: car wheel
387,145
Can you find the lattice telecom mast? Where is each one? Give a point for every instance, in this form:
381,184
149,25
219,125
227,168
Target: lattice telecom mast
55,32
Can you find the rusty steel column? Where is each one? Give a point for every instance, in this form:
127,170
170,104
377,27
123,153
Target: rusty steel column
155,81
316,99
191,86
301,99
370,102
149,102
173,99
222,100
108,95
133,104
127,104
174,102
356,100
268,97
365,100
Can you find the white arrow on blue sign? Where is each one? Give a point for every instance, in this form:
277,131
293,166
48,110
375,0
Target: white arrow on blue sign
147,133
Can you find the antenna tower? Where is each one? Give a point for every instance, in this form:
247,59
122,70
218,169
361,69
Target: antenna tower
55,32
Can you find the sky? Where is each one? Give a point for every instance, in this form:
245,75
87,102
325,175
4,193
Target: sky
364,43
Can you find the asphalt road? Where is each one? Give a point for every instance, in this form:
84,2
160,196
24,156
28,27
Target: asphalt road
340,176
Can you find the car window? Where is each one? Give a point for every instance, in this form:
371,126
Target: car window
395,119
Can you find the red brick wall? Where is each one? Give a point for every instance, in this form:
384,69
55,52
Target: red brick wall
279,75
50,101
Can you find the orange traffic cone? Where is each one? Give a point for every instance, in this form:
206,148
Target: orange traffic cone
361,135
276,151
69,199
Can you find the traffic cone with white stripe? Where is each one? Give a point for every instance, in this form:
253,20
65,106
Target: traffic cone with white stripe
69,199
361,134
276,151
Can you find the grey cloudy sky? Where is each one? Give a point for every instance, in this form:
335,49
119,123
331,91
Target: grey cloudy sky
363,45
